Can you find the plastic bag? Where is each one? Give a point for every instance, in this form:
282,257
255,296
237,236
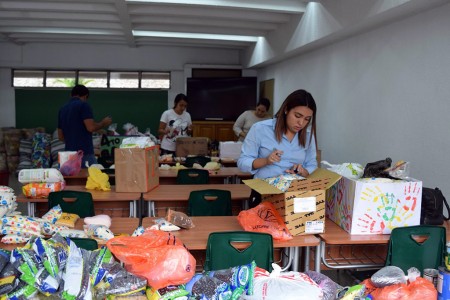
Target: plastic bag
158,256
349,170
264,218
388,275
420,289
284,285
328,286
41,190
73,165
179,219
97,180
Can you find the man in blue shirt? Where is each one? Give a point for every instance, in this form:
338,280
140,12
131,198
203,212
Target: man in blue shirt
76,124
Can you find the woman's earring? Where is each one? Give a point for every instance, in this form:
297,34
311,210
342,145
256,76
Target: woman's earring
285,112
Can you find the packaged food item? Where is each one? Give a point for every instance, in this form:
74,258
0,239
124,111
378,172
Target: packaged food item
40,175
41,190
179,219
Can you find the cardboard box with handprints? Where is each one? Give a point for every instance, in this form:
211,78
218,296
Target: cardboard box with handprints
302,206
374,206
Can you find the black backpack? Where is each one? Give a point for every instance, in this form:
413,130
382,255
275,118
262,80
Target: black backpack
433,202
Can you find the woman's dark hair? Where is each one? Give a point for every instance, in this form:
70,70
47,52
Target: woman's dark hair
80,91
265,102
296,98
178,98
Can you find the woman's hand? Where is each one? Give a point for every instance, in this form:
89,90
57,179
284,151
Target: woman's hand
274,157
298,169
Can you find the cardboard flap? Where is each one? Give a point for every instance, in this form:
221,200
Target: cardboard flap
262,187
320,179
320,173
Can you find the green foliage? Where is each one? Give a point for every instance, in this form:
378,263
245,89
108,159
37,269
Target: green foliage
71,82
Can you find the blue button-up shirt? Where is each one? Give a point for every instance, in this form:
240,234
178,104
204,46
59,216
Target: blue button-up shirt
261,141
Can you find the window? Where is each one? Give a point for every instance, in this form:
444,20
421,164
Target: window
124,80
28,78
91,79
153,80
61,79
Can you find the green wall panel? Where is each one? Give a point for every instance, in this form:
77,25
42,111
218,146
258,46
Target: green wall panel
39,107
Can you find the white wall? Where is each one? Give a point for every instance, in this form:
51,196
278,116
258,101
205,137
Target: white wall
384,93
87,57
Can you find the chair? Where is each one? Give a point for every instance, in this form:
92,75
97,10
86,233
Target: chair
85,243
192,176
421,246
80,203
233,248
201,160
209,202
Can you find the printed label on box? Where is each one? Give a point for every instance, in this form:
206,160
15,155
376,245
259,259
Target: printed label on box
306,204
314,226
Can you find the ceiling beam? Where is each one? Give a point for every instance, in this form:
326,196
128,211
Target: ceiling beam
124,18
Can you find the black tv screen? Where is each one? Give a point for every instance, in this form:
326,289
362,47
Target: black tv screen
220,98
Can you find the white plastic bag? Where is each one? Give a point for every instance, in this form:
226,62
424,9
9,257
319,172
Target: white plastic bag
40,175
349,170
284,285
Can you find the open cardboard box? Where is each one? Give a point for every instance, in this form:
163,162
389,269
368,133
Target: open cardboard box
302,206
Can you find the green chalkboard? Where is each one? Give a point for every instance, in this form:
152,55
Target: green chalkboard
39,107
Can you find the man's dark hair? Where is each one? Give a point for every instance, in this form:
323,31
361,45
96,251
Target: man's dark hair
80,91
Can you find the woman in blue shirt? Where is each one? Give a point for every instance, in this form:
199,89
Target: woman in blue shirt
285,144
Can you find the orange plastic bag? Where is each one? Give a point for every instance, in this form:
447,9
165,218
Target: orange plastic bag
264,218
420,289
158,256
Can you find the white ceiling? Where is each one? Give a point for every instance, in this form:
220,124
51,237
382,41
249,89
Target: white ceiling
232,24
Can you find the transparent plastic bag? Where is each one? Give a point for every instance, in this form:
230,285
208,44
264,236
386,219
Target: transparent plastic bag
73,165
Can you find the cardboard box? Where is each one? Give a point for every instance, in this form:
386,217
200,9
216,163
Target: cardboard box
230,150
136,169
302,206
374,207
191,146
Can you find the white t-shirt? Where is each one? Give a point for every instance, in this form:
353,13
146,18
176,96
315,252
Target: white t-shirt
178,125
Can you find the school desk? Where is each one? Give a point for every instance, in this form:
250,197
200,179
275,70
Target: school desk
103,198
165,195
222,175
342,250
196,238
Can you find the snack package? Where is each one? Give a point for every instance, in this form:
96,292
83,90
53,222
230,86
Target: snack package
41,190
40,175
179,219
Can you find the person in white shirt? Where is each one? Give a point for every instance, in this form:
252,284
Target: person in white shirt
250,117
174,122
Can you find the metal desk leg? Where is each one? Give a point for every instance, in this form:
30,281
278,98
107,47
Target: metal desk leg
317,257
132,210
296,260
306,258
31,207
151,209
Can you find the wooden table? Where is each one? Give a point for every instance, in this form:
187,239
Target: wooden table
81,177
196,238
180,193
223,175
98,196
118,226
342,250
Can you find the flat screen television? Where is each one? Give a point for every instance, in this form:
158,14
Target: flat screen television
220,98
